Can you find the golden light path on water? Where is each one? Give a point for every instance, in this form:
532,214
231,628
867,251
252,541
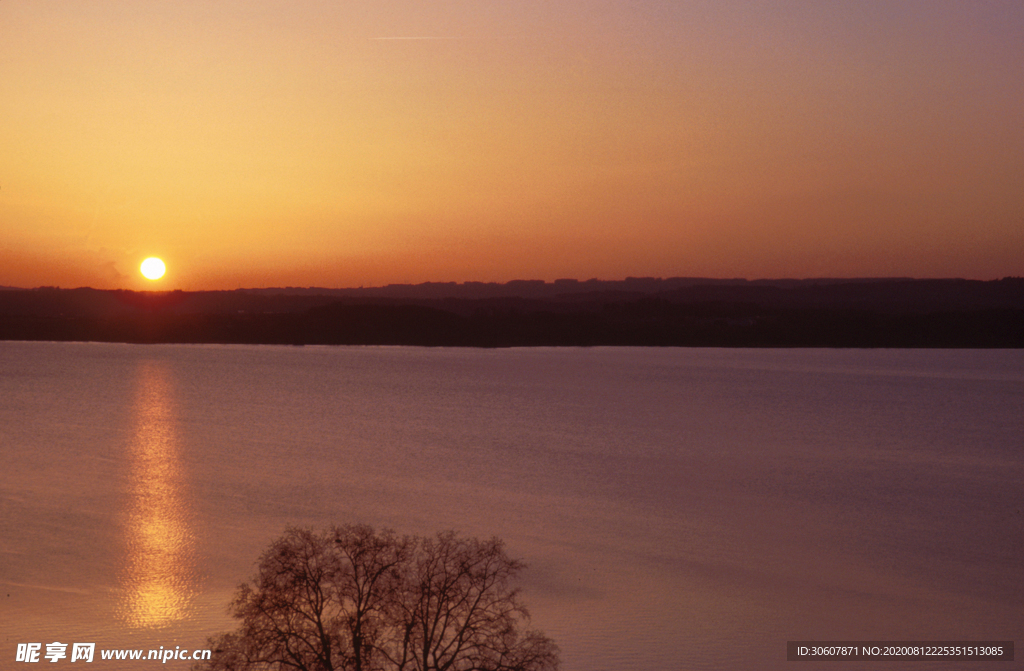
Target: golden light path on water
157,580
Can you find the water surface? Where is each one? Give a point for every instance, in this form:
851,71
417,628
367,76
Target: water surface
678,508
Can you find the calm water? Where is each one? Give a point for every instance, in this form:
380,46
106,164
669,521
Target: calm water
678,508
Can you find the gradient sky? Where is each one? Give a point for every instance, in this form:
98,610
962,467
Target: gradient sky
260,143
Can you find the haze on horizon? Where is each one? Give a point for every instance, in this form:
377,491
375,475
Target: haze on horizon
267,143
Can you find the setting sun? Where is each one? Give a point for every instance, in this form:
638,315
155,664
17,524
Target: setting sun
152,268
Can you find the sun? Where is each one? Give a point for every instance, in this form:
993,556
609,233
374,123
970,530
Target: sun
152,268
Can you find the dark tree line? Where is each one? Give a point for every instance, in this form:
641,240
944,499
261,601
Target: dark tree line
637,312
352,598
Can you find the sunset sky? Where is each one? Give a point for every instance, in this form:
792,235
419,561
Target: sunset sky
260,143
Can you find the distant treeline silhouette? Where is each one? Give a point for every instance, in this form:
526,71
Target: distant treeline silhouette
637,312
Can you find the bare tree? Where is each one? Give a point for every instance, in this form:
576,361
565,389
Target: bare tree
289,620
372,579
350,598
459,611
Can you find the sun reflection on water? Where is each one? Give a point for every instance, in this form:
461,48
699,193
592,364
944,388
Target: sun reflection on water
158,578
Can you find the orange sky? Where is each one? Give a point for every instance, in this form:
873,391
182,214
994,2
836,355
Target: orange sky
258,143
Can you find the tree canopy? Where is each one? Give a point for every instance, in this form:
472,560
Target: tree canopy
352,598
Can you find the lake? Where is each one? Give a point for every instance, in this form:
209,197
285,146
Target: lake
677,508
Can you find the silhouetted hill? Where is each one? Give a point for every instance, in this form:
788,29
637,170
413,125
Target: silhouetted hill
563,288
635,311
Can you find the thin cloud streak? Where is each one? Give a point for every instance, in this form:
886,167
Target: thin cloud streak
445,38
419,38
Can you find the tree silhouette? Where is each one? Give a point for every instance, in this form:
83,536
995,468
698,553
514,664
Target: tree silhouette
350,598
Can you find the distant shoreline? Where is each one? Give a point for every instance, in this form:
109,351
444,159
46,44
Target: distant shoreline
678,312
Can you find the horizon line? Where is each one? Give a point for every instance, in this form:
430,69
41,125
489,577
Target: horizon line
544,282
